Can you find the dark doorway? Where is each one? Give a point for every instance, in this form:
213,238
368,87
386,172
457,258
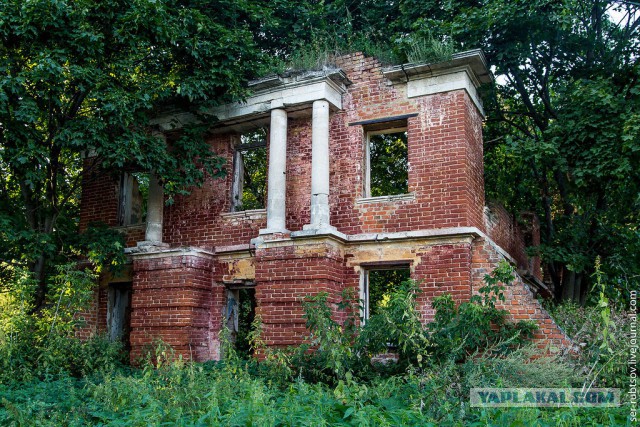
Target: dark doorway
119,313
241,311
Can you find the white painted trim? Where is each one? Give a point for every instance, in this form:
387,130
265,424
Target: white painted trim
474,59
172,252
248,214
461,78
288,95
386,199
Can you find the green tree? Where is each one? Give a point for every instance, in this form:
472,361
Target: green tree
87,77
562,136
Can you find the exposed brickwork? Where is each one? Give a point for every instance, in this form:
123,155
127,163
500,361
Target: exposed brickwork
445,171
519,300
180,296
443,140
196,221
99,197
175,299
284,276
99,202
504,229
443,269
94,319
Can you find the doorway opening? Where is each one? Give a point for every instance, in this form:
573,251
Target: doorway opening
119,313
241,311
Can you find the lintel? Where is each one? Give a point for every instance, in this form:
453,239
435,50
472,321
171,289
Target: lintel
383,120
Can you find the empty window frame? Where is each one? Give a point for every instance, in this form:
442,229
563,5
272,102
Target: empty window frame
133,193
250,172
387,165
377,284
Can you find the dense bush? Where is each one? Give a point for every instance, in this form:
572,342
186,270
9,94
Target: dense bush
81,383
459,331
226,393
42,344
603,342
334,348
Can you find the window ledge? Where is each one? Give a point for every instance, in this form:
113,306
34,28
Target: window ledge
386,199
248,214
130,226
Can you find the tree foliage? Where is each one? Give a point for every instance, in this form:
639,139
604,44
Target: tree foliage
562,135
86,77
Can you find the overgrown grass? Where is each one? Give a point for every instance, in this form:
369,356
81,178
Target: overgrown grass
229,394
322,51
69,382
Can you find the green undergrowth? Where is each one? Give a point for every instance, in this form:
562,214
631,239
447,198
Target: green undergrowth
331,379
229,394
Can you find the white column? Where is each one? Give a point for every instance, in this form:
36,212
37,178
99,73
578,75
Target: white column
277,190
320,166
155,209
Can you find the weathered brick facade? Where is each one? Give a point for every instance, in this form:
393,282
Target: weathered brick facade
440,229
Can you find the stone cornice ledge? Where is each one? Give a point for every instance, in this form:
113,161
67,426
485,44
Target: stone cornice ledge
151,252
473,59
332,234
438,233
418,234
248,214
386,199
285,92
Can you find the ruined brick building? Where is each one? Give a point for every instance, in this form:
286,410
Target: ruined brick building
332,215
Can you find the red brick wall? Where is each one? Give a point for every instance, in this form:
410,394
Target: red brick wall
88,319
519,299
445,169
180,298
513,237
94,319
443,140
298,174
175,299
284,276
195,220
443,269
98,200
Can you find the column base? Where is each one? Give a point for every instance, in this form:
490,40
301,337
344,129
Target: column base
311,230
264,231
320,227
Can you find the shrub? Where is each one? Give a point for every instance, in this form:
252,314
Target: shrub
334,350
43,344
459,332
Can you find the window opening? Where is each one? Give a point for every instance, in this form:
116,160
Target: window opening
377,284
250,171
133,197
387,166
